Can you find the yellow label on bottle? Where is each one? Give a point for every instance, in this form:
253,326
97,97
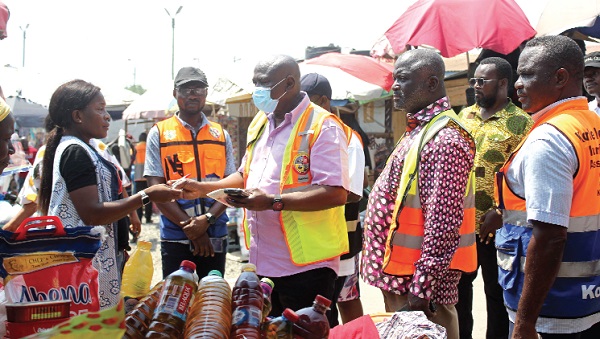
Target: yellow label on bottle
27,263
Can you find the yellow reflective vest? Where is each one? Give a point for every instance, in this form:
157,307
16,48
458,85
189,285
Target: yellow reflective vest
315,236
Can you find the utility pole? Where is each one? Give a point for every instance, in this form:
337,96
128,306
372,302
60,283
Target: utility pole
173,40
134,70
24,38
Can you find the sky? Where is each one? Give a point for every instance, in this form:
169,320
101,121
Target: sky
107,42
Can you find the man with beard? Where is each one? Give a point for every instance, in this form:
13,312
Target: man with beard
416,242
497,126
189,145
591,79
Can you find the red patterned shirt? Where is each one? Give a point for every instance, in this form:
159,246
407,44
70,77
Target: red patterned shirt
444,169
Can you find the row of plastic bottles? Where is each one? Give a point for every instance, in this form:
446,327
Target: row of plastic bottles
219,312
251,300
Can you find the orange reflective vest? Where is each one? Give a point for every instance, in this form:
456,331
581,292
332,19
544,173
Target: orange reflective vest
140,160
403,247
574,294
315,236
140,153
202,158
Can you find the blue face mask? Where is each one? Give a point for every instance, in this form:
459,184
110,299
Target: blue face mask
262,98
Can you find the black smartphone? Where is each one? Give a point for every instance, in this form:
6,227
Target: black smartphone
236,192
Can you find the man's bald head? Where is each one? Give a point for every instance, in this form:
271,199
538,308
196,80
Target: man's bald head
281,74
419,79
425,60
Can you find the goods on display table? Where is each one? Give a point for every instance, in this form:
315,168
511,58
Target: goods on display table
50,290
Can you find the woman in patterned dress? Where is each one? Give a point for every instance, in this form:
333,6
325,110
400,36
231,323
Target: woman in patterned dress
84,187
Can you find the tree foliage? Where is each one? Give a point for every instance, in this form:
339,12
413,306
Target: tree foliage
136,89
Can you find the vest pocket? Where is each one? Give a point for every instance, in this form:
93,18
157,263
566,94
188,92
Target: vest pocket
212,162
312,239
186,160
508,257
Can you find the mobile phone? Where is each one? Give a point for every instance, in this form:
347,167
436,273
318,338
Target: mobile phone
236,192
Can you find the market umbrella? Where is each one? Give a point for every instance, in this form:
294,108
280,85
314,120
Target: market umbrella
4,15
575,18
352,76
457,26
26,112
155,103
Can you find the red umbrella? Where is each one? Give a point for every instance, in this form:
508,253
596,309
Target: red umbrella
352,76
457,26
4,15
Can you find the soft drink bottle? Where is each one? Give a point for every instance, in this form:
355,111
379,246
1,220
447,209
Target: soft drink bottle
280,327
267,287
247,305
210,314
138,319
138,271
312,322
170,314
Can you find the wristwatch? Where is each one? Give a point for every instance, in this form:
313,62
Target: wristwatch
277,203
145,198
211,218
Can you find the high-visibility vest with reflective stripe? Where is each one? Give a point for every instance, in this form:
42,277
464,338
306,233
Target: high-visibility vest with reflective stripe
315,236
203,158
575,293
405,239
140,160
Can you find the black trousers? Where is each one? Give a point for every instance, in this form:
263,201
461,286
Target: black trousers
173,254
497,318
138,186
299,290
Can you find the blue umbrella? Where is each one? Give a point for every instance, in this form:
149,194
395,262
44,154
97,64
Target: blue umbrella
26,112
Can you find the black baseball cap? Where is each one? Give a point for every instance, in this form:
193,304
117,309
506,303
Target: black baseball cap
189,74
313,83
592,60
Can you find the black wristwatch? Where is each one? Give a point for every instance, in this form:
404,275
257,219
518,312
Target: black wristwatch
211,218
277,203
145,198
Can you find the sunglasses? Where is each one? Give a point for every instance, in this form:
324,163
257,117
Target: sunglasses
479,81
189,91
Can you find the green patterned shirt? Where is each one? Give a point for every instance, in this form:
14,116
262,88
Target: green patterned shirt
495,139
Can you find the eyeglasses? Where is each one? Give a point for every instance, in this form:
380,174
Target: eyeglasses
479,81
189,91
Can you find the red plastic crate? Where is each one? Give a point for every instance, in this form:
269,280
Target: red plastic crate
37,311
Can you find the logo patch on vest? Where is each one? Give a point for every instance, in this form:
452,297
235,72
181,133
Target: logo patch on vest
301,166
169,134
214,132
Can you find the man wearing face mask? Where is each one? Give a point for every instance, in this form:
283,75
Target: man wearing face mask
296,173
189,145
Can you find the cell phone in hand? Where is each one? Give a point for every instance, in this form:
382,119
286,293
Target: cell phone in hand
236,192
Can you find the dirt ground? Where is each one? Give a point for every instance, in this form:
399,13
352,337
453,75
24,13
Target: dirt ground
150,232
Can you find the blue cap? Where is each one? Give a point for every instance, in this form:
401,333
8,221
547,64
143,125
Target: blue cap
313,83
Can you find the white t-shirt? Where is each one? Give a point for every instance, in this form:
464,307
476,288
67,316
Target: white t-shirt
593,105
356,169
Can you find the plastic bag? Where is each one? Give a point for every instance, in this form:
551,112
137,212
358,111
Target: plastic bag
42,261
138,271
